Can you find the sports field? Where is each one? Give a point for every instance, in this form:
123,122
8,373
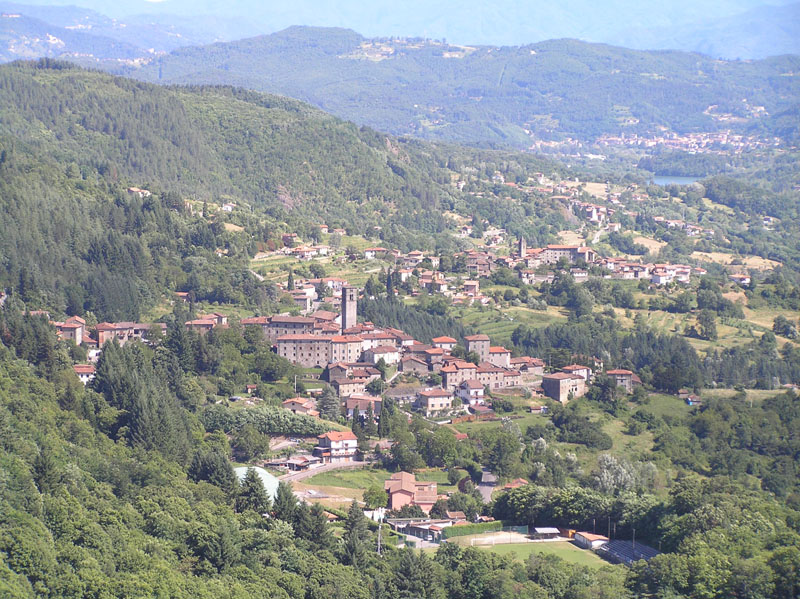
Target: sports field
565,550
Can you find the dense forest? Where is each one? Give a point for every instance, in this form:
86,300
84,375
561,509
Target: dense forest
489,95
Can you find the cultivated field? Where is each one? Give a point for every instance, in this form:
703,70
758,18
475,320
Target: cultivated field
571,238
756,262
651,244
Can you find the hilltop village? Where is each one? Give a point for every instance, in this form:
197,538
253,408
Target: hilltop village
439,428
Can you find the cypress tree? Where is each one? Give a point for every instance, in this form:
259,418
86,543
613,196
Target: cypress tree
370,428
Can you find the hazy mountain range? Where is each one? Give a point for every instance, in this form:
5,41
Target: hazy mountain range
719,28
485,94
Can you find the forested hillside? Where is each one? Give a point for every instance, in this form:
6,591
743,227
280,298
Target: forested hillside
71,141
486,94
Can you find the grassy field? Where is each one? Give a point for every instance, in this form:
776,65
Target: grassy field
653,245
361,478
566,551
571,238
500,325
667,405
522,419
752,394
756,323
338,497
628,446
756,262
597,190
364,478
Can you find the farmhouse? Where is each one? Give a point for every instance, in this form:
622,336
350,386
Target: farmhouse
336,446
625,379
413,365
471,392
434,401
360,403
403,489
73,329
85,372
561,385
445,343
479,344
579,370
528,365
301,405
499,356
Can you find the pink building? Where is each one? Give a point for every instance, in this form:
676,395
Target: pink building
403,489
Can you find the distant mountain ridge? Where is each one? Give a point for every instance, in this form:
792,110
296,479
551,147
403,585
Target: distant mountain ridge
490,95
24,33
723,28
27,37
758,33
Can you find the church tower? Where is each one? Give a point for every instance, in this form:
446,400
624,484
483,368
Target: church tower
349,306
523,248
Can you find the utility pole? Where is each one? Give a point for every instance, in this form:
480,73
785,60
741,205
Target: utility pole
380,512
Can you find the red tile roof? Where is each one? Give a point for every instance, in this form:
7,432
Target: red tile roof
339,436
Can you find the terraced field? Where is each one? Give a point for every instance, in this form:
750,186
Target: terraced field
500,325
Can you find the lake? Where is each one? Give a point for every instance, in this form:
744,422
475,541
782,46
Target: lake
671,180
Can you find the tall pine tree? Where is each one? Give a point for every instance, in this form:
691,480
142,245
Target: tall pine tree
252,495
285,502
355,536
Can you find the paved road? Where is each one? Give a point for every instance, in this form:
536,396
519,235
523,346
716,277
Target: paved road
303,474
487,486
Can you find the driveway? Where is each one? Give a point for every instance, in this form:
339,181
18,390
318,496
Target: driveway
487,486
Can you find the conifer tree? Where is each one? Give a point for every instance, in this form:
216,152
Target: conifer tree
355,550
252,495
213,467
302,523
321,533
370,428
328,404
285,502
